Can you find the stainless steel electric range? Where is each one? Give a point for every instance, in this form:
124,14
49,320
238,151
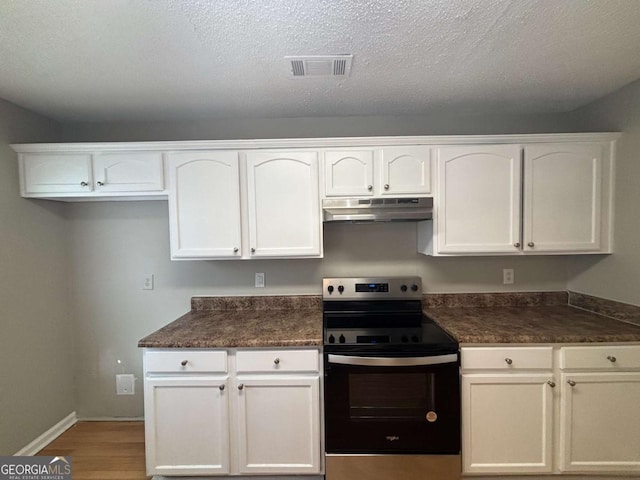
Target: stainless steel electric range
391,389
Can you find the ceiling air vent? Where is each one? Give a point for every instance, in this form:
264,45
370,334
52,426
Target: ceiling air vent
320,66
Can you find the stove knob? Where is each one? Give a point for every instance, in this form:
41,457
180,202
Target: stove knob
332,339
341,289
414,339
404,339
403,288
330,289
414,288
342,339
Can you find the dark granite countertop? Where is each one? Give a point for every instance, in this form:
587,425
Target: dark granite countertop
288,321
229,322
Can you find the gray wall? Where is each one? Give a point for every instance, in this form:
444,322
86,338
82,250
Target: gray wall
113,244
36,348
617,276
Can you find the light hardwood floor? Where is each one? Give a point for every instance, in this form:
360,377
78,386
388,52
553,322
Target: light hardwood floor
103,450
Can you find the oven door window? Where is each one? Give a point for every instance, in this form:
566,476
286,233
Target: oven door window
401,396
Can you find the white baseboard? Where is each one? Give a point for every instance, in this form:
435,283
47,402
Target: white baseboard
49,436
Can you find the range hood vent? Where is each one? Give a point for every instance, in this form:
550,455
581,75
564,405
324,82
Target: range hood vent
320,66
359,210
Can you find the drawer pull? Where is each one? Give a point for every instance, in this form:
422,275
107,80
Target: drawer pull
611,358
551,383
240,387
571,383
277,361
221,387
184,363
508,360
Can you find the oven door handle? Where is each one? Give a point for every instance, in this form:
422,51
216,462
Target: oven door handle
392,361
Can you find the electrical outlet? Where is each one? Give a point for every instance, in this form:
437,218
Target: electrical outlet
147,281
508,276
259,280
125,384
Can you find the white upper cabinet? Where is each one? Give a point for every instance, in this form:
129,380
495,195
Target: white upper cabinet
283,204
55,173
514,199
405,170
563,197
204,204
479,198
394,171
128,172
91,175
348,173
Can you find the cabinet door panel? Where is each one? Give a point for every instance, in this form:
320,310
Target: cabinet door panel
204,205
562,202
507,423
128,172
279,425
283,204
349,173
600,428
56,173
186,426
479,199
405,170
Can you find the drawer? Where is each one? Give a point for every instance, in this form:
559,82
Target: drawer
507,358
185,360
600,357
277,361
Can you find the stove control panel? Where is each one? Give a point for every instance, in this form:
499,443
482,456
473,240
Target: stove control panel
372,288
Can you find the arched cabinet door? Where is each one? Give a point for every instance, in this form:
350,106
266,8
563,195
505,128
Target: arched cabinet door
479,193
204,205
405,170
348,173
283,204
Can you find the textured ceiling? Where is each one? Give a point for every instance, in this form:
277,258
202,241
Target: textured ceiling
187,59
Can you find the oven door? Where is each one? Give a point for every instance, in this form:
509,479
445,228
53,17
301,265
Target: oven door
392,404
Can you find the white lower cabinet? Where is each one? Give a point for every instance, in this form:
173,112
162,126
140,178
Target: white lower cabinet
552,409
244,412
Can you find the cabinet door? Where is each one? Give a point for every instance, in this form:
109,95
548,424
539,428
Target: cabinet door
600,425
283,204
55,173
507,423
128,172
479,199
562,197
348,173
405,171
278,424
186,425
204,205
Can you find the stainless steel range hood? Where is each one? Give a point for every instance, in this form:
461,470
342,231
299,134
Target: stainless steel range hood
377,209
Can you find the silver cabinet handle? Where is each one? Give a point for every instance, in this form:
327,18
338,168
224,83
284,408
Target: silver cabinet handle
184,363
100,184
612,359
369,187
571,382
517,244
235,250
551,383
240,387
253,250
84,184
221,387
277,361
508,360
386,186
531,244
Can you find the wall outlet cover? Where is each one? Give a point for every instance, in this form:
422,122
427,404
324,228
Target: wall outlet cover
125,384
